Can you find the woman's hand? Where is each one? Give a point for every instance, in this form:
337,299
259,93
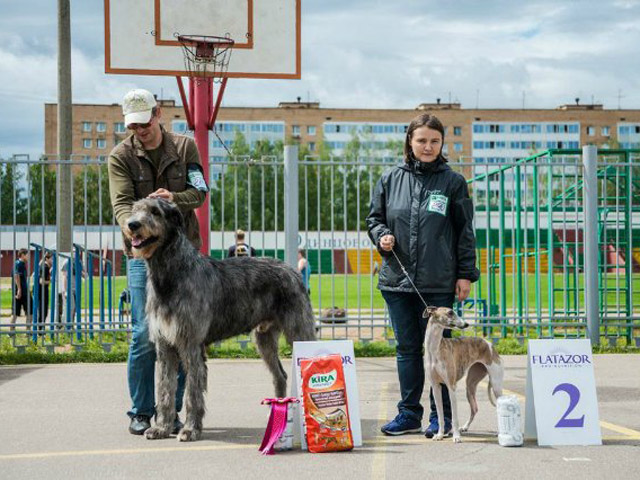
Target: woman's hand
387,242
463,287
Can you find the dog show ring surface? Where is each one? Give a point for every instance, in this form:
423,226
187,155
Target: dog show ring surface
562,405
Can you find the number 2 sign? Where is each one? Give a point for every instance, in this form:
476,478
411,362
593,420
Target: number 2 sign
562,406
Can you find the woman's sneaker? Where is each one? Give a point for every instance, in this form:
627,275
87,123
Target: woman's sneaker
432,429
402,424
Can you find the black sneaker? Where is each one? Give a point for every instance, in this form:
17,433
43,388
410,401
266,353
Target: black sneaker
177,426
139,423
433,427
402,424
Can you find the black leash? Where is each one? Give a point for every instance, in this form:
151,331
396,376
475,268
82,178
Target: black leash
408,277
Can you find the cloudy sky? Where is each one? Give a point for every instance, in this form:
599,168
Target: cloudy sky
357,54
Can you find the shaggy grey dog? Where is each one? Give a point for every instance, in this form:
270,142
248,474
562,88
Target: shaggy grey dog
194,300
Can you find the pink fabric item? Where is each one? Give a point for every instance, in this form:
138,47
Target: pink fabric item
277,422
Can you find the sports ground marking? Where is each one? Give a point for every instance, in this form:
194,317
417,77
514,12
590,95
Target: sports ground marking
378,469
379,462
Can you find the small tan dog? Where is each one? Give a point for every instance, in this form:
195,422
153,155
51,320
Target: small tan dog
447,360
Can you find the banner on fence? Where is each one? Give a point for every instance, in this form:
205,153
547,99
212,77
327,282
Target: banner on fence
561,406
303,350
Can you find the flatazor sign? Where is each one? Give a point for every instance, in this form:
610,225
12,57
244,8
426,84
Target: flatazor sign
562,405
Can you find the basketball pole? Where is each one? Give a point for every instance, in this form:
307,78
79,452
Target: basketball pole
201,116
202,100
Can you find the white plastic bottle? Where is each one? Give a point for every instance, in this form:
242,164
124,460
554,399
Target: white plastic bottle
285,442
509,421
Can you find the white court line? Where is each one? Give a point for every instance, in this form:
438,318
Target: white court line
379,462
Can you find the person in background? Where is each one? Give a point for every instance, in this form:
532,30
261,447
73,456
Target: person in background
20,289
43,294
304,268
240,248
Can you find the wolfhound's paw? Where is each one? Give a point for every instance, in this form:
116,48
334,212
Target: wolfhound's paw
437,437
187,435
457,439
155,433
464,429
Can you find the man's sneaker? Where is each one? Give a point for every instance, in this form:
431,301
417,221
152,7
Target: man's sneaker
139,423
433,427
177,425
402,424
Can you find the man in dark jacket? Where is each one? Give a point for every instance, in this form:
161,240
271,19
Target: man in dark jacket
421,210
157,164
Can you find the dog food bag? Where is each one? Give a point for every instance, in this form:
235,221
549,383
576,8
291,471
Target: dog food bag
324,398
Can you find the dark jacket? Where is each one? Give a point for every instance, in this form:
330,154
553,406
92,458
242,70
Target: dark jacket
430,214
133,176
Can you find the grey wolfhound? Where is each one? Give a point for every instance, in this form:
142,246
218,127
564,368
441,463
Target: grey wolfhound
193,300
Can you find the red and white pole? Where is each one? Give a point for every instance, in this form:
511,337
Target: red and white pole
202,100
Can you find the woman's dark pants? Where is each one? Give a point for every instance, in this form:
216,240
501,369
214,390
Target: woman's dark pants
405,311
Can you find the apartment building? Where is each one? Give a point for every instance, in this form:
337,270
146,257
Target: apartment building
481,136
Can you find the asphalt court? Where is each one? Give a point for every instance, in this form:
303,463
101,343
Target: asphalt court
68,421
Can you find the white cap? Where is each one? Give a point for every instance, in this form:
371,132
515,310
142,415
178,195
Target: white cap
137,106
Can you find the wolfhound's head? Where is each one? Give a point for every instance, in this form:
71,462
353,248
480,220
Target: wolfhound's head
152,223
444,317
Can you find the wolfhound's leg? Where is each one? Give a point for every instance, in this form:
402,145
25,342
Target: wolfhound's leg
168,363
476,373
267,343
194,363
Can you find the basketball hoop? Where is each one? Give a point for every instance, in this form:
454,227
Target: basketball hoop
206,56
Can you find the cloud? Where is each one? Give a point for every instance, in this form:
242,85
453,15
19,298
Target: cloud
357,54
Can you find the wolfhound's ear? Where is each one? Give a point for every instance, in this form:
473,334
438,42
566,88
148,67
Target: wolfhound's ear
429,311
172,214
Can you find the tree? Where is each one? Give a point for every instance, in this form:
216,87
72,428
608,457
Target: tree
42,198
13,201
91,202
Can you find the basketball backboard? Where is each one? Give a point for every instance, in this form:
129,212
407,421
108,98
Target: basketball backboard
141,35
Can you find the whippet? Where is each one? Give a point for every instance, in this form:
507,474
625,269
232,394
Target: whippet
447,360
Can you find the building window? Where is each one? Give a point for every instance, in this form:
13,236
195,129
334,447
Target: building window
102,143
295,129
118,127
102,158
457,147
86,126
445,149
86,143
101,127
606,131
457,131
311,130
591,131
312,146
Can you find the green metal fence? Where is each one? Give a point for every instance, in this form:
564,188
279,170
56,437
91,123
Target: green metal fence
531,226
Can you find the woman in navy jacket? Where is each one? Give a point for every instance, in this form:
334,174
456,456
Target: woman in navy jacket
422,211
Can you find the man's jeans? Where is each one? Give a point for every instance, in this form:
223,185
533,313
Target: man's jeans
142,353
405,311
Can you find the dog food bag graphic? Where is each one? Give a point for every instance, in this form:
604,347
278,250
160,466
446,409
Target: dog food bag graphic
509,423
324,397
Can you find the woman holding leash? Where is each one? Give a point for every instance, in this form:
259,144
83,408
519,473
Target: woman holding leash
421,222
